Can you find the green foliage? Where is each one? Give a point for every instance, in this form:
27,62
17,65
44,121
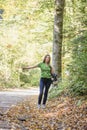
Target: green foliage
78,66
25,36
60,89
24,78
46,4
31,78
75,46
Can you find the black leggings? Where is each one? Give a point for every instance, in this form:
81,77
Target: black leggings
44,84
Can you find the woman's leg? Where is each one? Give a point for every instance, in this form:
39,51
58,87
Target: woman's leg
41,91
47,86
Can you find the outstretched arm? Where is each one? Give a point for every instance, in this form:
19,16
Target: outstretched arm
32,67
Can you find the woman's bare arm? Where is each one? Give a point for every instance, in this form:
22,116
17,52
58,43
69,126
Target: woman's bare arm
52,70
32,67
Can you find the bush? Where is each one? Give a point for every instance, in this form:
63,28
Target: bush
31,78
78,66
58,90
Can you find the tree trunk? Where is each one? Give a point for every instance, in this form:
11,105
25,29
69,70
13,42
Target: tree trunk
57,37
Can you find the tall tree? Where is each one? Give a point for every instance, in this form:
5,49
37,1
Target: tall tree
58,36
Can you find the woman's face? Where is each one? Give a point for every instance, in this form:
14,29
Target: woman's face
47,60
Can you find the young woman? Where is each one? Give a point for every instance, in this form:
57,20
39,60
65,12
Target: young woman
45,80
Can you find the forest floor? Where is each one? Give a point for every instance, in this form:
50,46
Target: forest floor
61,113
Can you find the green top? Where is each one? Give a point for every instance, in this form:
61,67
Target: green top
45,70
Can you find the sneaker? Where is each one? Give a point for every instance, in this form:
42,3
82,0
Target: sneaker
38,106
43,106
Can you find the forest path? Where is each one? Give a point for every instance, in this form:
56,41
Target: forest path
61,113
12,97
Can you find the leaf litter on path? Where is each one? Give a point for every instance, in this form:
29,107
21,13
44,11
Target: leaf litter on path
61,113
